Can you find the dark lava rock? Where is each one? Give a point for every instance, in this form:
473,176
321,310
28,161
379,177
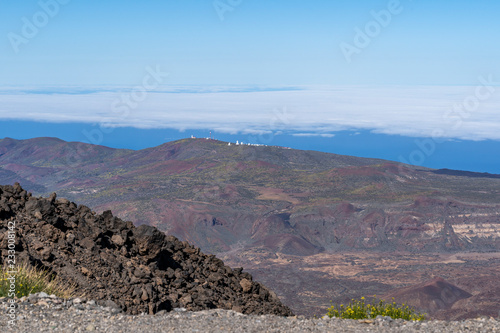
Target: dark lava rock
140,269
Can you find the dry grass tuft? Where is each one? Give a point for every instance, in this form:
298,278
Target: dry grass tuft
27,279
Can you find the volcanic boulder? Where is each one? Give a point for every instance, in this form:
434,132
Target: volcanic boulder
140,269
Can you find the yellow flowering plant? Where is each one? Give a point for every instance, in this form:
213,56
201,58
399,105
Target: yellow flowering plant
357,309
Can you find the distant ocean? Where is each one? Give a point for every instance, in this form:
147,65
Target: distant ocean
478,156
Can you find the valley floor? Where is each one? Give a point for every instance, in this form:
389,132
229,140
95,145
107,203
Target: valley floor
307,284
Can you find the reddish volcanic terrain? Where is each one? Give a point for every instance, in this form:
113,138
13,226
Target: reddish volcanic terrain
434,295
444,286
260,207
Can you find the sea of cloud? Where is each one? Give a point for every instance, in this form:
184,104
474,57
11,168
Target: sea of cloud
453,112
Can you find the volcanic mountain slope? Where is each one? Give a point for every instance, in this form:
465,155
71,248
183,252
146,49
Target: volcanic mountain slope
228,197
430,296
442,300
140,269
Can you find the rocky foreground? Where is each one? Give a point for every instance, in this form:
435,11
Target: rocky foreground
141,270
42,313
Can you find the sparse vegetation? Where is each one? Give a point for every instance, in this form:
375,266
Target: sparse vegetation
359,310
30,280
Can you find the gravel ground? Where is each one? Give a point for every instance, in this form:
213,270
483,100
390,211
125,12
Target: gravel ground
43,313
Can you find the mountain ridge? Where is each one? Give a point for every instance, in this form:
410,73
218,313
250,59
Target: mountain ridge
261,195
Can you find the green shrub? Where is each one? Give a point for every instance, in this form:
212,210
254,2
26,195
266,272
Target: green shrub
30,280
360,310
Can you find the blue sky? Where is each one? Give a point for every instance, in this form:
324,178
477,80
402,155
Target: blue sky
258,42
402,70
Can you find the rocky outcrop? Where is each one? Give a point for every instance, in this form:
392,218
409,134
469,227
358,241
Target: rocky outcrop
140,269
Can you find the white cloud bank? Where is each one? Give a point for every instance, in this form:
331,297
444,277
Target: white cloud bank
314,135
460,112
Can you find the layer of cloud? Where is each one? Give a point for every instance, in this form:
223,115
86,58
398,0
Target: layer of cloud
323,135
460,112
